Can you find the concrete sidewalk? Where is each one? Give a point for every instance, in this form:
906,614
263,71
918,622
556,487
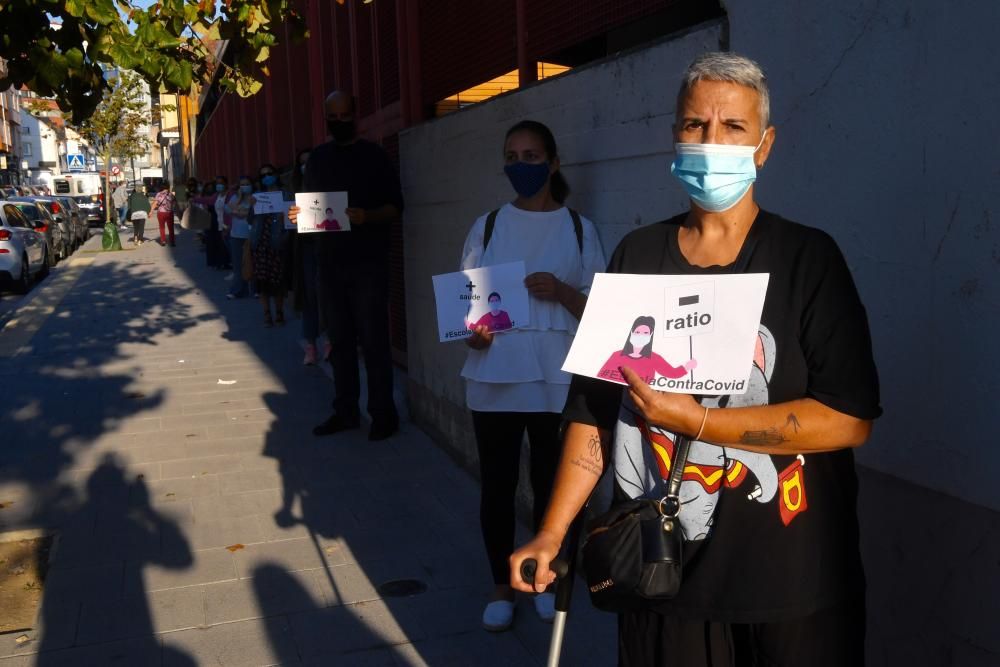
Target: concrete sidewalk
164,435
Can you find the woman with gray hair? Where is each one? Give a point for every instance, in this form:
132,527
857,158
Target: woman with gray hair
772,569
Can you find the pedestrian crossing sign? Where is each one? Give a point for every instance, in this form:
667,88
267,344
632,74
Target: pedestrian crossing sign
75,161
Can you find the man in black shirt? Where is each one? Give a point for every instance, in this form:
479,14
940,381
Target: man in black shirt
353,268
772,571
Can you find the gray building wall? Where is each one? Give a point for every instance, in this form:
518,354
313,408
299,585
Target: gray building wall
886,138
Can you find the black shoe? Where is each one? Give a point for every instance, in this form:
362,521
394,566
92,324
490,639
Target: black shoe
383,428
336,424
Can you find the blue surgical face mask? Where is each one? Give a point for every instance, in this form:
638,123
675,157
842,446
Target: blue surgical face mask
716,176
527,178
219,187
268,180
246,189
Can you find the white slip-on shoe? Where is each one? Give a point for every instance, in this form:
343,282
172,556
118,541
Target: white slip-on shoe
498,615
545,605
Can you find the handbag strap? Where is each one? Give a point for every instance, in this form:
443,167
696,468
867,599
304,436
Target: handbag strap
670,504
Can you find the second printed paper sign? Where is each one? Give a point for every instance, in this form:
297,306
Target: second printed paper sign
322,212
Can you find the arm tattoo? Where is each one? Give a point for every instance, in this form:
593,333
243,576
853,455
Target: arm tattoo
793,421
594,464
588,465
771,436
594,444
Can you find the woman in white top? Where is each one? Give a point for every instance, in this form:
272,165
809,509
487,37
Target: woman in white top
513,379
238,208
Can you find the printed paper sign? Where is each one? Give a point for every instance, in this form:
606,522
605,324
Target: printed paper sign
322,212
682,334
273,202
494,296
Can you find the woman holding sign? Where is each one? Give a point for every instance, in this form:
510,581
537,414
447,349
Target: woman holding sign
267,237
513,378
772,571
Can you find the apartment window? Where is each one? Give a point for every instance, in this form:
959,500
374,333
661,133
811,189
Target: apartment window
25,129
26,149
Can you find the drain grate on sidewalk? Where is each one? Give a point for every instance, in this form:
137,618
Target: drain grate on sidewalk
402,588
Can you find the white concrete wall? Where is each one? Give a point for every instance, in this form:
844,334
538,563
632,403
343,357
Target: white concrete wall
887,137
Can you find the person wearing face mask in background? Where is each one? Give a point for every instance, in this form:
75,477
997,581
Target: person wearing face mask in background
772,565
514,381
304,274
353,268
212,199
267,240
238,207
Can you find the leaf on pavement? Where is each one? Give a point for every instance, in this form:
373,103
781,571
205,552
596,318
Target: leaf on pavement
235,547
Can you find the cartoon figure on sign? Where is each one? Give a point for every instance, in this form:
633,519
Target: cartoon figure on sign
496,319
709,467
329,223
637,354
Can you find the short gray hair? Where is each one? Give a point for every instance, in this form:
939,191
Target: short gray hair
722,66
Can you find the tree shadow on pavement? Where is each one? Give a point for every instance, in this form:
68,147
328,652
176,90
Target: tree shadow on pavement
110,599
75,396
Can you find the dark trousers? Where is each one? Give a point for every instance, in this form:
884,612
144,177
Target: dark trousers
166,218
138,228
310,302
355,307
498,438
833,637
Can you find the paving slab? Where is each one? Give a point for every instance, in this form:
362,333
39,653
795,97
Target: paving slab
202,523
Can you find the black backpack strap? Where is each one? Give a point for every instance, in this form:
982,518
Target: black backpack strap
578,228
491,221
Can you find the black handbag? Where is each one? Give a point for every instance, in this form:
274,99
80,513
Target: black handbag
633,554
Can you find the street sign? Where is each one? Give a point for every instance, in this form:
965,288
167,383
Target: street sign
116,170
75,161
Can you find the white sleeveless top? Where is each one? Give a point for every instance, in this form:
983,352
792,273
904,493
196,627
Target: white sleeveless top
521,370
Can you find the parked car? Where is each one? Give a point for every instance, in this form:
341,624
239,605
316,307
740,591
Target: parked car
8,191
63,218
80,227
23,253
43,222
91,209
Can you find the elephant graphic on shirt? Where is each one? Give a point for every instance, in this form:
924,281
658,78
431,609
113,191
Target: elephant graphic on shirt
708,467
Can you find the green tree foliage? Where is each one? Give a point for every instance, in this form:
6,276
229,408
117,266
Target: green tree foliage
115,128
169,43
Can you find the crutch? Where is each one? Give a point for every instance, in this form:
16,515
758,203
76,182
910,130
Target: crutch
564,591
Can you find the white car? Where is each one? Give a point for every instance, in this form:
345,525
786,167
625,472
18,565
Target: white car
23,253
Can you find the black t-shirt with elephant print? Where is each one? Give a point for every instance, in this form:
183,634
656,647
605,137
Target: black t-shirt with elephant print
767,537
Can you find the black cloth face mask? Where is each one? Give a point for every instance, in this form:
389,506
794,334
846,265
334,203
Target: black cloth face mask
342,131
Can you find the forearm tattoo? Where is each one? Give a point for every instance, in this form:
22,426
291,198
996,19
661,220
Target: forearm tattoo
773,435
594,463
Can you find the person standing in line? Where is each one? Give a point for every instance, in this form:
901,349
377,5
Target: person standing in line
304,278
238,208
164,204
354,268
772,564
267,242
513,380
213,201
138,204
223,191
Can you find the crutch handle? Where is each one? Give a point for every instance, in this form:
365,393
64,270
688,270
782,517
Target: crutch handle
529,566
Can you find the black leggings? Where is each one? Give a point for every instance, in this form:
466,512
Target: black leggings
498,437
